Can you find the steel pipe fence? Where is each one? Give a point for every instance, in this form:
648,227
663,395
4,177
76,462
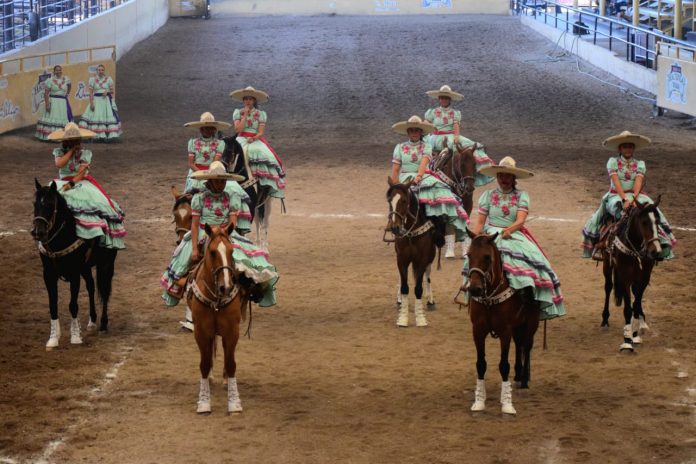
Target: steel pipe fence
24,21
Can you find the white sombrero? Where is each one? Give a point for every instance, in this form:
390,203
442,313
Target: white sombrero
640,141
216,171
71,132
402,127
259,95
208,120
445,91
509,166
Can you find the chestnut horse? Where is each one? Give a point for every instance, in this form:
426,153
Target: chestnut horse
414,244
632,248
497,309
182,213
457,169
218,298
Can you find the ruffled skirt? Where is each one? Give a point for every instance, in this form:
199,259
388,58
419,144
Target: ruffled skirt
53,120
265,166
103,120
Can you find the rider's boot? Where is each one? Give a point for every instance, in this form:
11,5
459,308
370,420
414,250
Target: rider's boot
187,323
449,241
54,336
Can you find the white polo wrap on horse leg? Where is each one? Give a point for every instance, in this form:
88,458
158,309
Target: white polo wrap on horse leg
402,318
628,338
449,243
421,321
635,331
204,397
643,325
75,336
234,403
506,398
187,323
54,335
479,396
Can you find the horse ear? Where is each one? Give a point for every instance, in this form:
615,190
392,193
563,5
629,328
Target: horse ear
657,202
208,230
54,187
470,233
493,237
175,192
38,185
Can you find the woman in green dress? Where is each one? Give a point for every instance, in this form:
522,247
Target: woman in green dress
503,210
56,103
250,124
214,206
627,176
202,152
447,123
101,116
97,215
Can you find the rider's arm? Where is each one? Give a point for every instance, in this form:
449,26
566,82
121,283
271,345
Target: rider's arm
517,225
421,169
395,173
480,222
63,159
619,190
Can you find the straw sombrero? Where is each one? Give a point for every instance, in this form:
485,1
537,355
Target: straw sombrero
71,132
216,171
208,120
507,165
259,95
445,91
402,127
640,141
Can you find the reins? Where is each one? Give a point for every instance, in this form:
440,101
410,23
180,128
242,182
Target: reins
461,184
623,243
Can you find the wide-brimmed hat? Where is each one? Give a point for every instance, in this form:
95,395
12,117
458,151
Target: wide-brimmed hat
509,166
640,141
402,127
208,120
216,171
71,132
259,95
445,91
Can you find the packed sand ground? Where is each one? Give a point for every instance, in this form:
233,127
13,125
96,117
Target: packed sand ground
326,376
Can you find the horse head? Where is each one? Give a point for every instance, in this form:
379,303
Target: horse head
48,206
233,157
643,229
182,213
219,261
485,265
399,199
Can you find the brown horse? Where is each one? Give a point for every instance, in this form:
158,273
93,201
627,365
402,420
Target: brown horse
415,246
457,169
217,300
497,309
182,213
628,261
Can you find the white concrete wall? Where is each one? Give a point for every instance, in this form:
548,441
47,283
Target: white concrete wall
634,74
123,26
362,7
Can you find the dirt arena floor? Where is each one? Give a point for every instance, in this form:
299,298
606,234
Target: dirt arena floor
327,376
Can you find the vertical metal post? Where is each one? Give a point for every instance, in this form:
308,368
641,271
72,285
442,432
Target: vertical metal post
677,19
636,12
611,33
602,7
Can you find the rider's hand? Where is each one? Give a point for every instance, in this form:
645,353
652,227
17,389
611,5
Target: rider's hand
626,204
506,233
195,256
418,179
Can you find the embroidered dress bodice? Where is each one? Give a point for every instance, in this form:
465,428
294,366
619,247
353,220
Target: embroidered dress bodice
72,167
252,121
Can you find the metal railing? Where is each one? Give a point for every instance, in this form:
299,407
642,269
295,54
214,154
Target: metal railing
24,21
641,43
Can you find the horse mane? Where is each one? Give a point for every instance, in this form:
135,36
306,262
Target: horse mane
62,211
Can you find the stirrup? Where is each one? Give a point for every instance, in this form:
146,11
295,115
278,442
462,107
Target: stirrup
598,254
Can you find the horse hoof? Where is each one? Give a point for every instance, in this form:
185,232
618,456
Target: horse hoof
431,305
478,406
508,410
103,331
605,325
91,326
626,348
637,340
203,408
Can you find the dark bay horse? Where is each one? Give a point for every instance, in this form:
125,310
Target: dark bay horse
632,249
497,309
65,255
457,169
218,296
414,244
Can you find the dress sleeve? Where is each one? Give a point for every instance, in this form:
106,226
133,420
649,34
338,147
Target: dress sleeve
58,152
220,149
191,153
523,202
458,116
612,166
67,80
86,157
90,83
197,204
237,115
641,168
429,115
396,157
484,202
262,117
427,149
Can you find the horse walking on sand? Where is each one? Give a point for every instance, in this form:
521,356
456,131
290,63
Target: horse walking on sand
633,247
65,255
497,309
415,246
218,296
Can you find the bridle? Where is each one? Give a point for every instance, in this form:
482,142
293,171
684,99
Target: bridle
49,226
492,295
624,244
412,231
218,299
461,185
